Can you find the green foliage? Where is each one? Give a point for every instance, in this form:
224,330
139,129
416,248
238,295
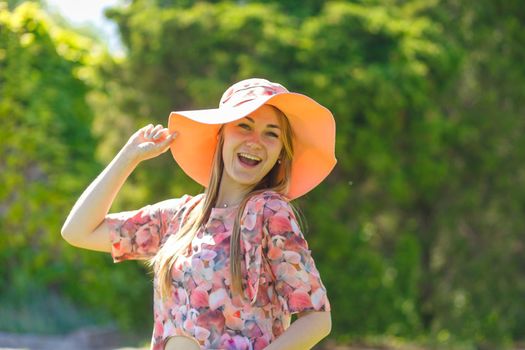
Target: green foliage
480,243
46,158
417,230
29,306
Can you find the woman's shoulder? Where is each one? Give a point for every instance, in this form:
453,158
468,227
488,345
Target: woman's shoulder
267,197
275,213
268,202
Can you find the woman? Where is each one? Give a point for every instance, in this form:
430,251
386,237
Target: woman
231,265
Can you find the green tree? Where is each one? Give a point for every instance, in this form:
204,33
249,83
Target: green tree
480,252
46,159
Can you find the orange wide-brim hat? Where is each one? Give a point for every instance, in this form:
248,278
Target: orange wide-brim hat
312,124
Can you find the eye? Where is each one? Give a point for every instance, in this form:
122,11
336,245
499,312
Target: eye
272,134
244,126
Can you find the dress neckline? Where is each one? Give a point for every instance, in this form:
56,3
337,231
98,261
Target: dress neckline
224,209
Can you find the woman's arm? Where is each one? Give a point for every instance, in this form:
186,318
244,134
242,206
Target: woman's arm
84,226
309,329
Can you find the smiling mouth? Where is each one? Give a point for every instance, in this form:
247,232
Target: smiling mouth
248,159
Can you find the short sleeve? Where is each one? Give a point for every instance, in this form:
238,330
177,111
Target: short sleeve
137,235
298,284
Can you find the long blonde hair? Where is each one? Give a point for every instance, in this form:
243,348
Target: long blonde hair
277,180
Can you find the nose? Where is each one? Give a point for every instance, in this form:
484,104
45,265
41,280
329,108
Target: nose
253,143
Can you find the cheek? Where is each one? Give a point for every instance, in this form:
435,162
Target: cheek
274,151
230,145
226,153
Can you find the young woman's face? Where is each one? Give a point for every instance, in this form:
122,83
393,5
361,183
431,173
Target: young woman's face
251,147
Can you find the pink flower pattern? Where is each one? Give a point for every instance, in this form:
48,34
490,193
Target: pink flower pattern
279,273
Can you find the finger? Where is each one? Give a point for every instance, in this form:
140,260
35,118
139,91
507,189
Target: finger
170,137
159,133
156,128
164,145
147,130
153,132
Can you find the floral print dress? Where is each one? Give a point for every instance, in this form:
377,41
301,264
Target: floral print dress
279,273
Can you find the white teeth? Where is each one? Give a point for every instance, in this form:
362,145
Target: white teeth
249,156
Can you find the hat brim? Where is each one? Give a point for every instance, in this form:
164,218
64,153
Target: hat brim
313,126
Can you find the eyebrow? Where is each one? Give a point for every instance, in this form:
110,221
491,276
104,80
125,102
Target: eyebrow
269,125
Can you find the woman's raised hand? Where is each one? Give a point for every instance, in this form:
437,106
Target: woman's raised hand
85,225
149,142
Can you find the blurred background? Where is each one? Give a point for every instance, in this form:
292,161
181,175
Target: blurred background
418,231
